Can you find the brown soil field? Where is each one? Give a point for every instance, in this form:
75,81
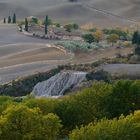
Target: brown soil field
42,53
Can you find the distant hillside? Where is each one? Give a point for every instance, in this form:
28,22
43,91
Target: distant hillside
82,11
125,8
100,12
81,14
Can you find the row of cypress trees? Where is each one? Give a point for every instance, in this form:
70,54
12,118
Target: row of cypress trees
11,20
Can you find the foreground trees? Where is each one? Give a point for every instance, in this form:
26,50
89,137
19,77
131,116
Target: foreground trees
100,101
126,128
20,122
32,118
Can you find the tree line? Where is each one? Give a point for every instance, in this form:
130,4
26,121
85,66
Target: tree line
98,108
14,21
10,20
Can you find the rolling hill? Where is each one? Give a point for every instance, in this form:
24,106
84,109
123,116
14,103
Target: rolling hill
100,12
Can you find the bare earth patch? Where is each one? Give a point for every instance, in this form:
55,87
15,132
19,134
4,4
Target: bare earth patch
39,53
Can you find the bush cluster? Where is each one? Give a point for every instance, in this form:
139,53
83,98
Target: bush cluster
124,35
74,46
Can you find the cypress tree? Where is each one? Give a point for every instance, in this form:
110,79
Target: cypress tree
135,37
138,40
14,18
4,20
46,25
26,25
9,19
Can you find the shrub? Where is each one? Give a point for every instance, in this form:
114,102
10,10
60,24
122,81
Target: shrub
70,27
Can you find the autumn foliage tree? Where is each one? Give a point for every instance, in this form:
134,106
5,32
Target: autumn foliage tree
112,38
98,34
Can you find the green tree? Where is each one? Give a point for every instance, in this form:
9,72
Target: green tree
14,19
68,27
46,25
84,107
9,19
26,24
4,20
135,37
35,20
57,25
75,26
89,38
